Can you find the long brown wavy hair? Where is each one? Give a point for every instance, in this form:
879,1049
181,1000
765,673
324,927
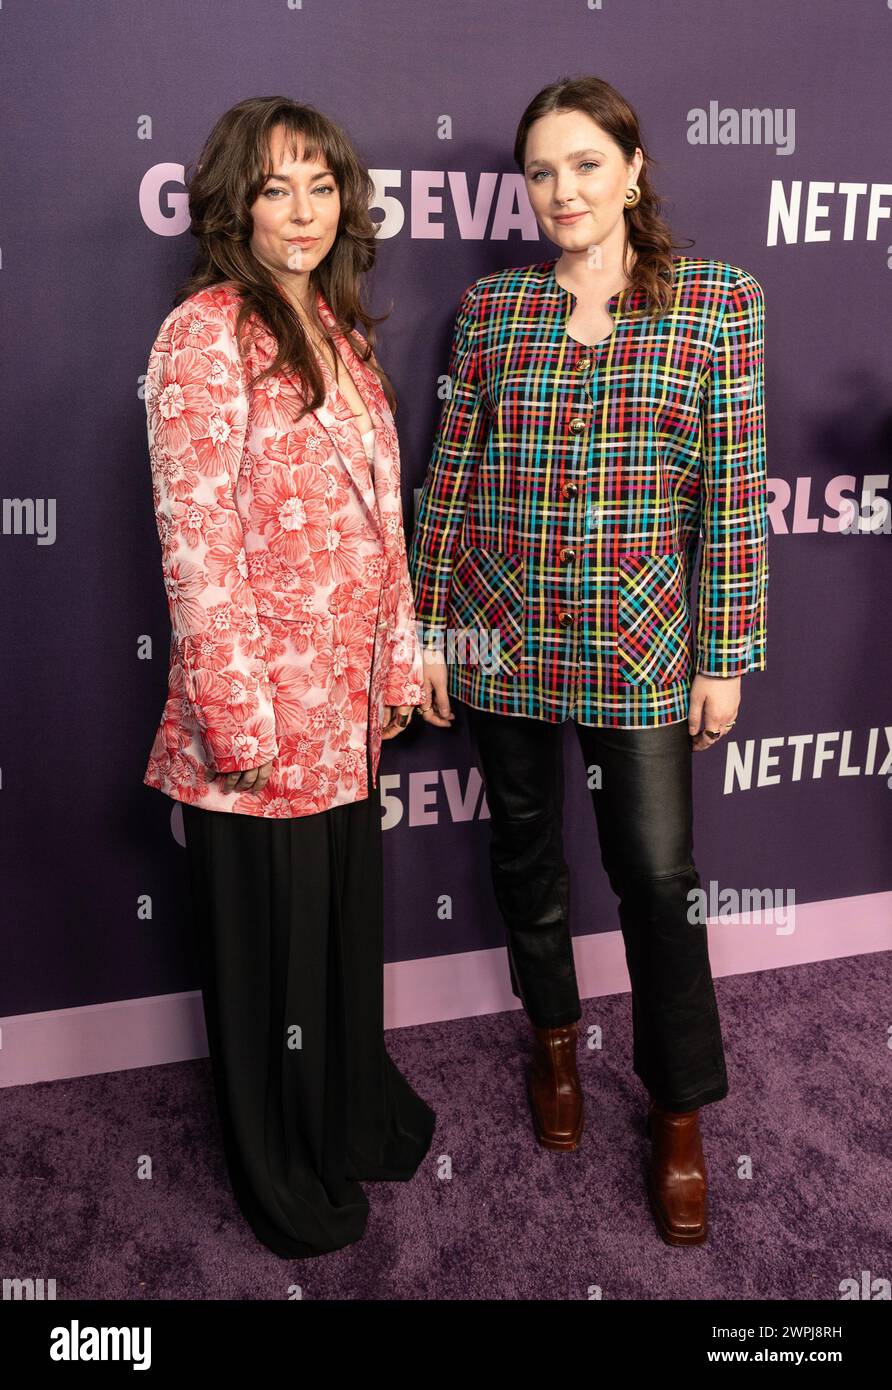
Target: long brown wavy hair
646,231
229,177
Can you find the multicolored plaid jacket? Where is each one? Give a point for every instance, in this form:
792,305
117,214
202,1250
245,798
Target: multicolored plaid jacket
557,533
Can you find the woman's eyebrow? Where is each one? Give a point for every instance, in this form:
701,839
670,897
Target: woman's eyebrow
285,179
574,154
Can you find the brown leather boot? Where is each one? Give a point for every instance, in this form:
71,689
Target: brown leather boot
676,1178
553,1087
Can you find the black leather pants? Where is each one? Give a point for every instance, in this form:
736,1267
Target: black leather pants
644,814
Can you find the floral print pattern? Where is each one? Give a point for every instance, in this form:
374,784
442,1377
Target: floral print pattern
284,563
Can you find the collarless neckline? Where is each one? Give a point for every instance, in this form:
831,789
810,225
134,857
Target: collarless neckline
618,301
614,299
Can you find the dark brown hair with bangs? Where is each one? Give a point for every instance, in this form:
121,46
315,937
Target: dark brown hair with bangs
230,175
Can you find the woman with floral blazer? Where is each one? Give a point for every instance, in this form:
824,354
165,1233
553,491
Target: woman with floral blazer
293,653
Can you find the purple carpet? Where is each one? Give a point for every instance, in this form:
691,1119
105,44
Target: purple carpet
810,1070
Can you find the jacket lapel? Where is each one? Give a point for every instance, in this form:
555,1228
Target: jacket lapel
337,418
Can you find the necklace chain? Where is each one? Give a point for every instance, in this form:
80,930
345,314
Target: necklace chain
316,338
320,343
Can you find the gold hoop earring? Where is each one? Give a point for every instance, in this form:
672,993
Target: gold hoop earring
635,199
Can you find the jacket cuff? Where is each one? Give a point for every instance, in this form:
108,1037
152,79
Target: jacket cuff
239,752
402,691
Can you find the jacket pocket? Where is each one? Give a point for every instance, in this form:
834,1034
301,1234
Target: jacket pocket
486,610
654,628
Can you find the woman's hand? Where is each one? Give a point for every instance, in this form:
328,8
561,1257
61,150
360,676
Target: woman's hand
396,718
252,779
435,706
714,703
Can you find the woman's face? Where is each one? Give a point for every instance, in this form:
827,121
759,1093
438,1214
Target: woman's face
295,214
576,177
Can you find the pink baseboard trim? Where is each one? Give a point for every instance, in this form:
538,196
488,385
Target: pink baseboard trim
127,1033
64,1043
476,982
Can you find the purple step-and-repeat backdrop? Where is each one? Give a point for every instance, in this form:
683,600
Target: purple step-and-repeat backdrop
769,124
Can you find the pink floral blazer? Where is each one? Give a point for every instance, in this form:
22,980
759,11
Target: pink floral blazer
284,563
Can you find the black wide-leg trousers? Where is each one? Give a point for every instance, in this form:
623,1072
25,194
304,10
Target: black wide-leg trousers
641,787
288,916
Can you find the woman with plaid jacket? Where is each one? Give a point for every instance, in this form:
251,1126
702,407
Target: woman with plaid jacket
606,413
